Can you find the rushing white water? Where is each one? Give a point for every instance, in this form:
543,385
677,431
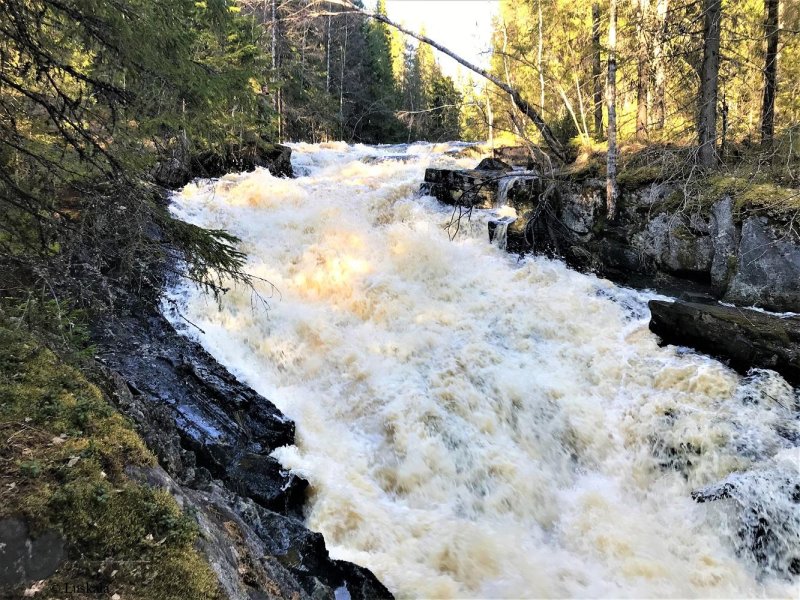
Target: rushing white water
477,426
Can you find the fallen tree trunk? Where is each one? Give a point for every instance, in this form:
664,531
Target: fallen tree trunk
547,135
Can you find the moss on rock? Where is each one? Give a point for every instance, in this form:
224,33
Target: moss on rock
633,178
63,468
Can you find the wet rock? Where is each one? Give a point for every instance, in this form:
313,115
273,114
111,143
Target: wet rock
370,160
24,558
264,480
360,583
484,186
697,297
492,164
746,338
278,160
466,188
498,231
765,507
521,234
178,383
767,268
213,437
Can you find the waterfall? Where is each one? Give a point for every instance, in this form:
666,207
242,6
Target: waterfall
508,182
477,426
498,229
503,187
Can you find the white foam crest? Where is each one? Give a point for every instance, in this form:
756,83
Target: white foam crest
471,425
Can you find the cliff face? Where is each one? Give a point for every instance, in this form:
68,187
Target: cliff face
744,259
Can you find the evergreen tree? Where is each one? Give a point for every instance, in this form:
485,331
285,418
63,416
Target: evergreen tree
88,109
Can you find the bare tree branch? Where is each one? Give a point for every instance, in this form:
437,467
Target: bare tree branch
522,104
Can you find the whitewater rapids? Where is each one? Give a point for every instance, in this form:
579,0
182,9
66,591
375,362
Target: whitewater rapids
473,425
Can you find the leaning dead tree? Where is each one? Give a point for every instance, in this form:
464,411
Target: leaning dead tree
523,105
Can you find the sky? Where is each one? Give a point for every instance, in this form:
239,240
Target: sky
463,26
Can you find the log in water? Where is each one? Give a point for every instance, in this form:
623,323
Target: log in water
474,425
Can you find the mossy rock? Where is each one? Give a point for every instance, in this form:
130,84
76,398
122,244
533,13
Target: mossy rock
750,196
64,469
636,178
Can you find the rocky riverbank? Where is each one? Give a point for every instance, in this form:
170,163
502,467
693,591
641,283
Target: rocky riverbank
721,249
213,436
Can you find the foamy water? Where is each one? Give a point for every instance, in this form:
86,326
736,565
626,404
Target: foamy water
477,426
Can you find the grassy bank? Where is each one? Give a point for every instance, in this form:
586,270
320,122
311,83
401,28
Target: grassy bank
63,467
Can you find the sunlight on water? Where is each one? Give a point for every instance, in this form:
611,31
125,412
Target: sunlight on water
477,426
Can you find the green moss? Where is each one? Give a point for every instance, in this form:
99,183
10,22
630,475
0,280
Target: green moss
587,166
634,178
66,456
750,195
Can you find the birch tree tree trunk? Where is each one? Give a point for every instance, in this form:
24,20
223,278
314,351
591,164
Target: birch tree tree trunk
490,120
709,80
597,73
612,189
770,74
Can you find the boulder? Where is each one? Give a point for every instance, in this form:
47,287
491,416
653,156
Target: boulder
25,558
469,188
725,240
677,244
745,338
482,188
493,164
764,504
767,268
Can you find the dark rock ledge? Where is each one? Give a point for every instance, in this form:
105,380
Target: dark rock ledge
744,337
213,436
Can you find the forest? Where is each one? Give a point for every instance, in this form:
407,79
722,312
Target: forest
88,110
109,108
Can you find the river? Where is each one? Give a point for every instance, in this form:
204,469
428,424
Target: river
475,425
